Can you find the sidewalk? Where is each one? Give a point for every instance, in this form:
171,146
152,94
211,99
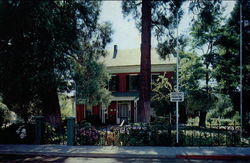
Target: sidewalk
129,151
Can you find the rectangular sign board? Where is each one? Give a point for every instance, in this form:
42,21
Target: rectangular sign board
177,96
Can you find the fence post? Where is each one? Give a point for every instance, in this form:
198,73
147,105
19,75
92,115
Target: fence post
39,129
218,132
211,136
200,135
192,133
70,130
234,135
226,133
170,134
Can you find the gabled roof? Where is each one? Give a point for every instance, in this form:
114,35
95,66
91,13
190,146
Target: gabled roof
128,60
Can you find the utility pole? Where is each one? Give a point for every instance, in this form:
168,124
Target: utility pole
241,95
177,80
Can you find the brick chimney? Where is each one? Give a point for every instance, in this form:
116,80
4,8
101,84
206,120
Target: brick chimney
115,52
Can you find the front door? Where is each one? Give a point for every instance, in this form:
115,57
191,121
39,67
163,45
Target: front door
123,112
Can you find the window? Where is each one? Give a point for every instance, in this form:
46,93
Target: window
114,83
133,82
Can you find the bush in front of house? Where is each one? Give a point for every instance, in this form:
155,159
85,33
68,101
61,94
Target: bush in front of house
53,134
87,135
18,134
5,115
135,135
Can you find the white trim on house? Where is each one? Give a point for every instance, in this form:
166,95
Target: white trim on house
135,109
126,98
103,111
136,68
116,106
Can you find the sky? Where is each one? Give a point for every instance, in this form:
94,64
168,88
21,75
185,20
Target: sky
126,35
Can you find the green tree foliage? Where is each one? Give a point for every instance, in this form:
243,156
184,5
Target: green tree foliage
206,31
92,82
223,107
222,56
4,114
161,95
90,75
40,43
192,74
228,70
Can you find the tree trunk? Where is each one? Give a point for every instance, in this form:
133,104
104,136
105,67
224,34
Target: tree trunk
51,108
203,112
183,114
144,110
203,115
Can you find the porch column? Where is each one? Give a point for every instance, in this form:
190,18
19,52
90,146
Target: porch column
117,110
103,113
135,111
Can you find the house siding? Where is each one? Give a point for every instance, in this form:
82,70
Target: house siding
80,112
122,83
96,110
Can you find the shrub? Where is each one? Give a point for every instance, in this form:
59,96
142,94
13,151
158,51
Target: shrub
52,134
18,134
87,135
236,117
225,122
111,138
4,114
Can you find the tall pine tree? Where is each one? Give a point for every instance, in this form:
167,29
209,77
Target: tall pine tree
159,16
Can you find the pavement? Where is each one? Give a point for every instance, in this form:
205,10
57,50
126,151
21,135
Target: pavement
128,151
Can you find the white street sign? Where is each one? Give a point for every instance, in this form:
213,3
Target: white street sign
176,96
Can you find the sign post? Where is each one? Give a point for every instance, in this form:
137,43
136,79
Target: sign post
177,80
177,97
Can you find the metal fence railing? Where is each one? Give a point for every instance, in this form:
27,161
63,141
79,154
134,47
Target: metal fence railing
138,134
160,135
